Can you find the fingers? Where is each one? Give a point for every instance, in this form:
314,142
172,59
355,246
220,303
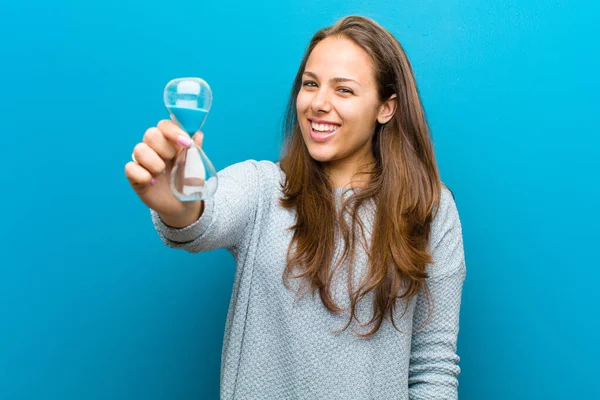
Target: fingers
138,175
198,138
146,157
155,139
174,133
158,148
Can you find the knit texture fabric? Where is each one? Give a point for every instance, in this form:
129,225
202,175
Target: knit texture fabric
280,344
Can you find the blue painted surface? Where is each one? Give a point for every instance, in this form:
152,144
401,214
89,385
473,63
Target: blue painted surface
93,306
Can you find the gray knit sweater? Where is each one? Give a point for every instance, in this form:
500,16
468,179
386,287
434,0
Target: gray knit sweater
281,345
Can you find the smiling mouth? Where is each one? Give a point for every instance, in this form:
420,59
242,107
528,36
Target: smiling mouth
322,132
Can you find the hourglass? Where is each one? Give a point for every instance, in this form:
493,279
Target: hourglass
193,176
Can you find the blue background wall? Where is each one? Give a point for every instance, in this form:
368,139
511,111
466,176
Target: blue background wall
93,306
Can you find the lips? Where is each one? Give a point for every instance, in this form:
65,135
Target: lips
322,131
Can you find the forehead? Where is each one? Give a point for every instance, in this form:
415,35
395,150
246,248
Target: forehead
340,57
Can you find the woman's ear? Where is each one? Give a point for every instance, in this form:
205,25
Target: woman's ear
387,109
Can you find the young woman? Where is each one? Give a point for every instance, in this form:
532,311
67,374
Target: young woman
349,251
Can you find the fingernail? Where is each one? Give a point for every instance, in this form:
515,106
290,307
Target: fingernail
153,181
184,141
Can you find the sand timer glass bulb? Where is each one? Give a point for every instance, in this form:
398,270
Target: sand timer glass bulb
193,176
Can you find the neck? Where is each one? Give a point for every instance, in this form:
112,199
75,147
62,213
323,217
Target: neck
350,172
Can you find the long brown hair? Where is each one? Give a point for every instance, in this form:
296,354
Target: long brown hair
404,186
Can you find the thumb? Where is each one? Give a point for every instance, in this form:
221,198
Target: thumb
198,138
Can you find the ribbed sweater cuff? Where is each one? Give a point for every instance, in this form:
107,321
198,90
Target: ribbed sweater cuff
190,232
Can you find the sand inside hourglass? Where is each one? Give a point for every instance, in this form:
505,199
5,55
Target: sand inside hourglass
190,119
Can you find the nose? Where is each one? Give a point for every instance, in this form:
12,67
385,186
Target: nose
321,102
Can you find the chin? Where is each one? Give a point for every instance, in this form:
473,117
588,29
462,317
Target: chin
321,155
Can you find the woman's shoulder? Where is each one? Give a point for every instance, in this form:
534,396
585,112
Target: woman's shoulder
446,241
447,200
446,212
265,173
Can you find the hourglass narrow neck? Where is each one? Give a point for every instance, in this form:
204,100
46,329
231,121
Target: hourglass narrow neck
190,119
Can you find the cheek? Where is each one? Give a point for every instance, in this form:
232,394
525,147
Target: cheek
360,117
352,112
302,102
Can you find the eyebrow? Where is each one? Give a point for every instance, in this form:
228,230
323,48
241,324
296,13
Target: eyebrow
334,80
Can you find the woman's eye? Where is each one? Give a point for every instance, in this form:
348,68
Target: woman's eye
309,84
346,90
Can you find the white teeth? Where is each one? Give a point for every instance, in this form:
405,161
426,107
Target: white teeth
324,127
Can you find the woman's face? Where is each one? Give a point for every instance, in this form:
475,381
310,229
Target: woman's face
338,105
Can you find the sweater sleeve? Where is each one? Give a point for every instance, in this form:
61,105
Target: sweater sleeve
227,216
433,369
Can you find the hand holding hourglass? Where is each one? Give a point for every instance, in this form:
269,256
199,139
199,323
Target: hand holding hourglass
170,172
